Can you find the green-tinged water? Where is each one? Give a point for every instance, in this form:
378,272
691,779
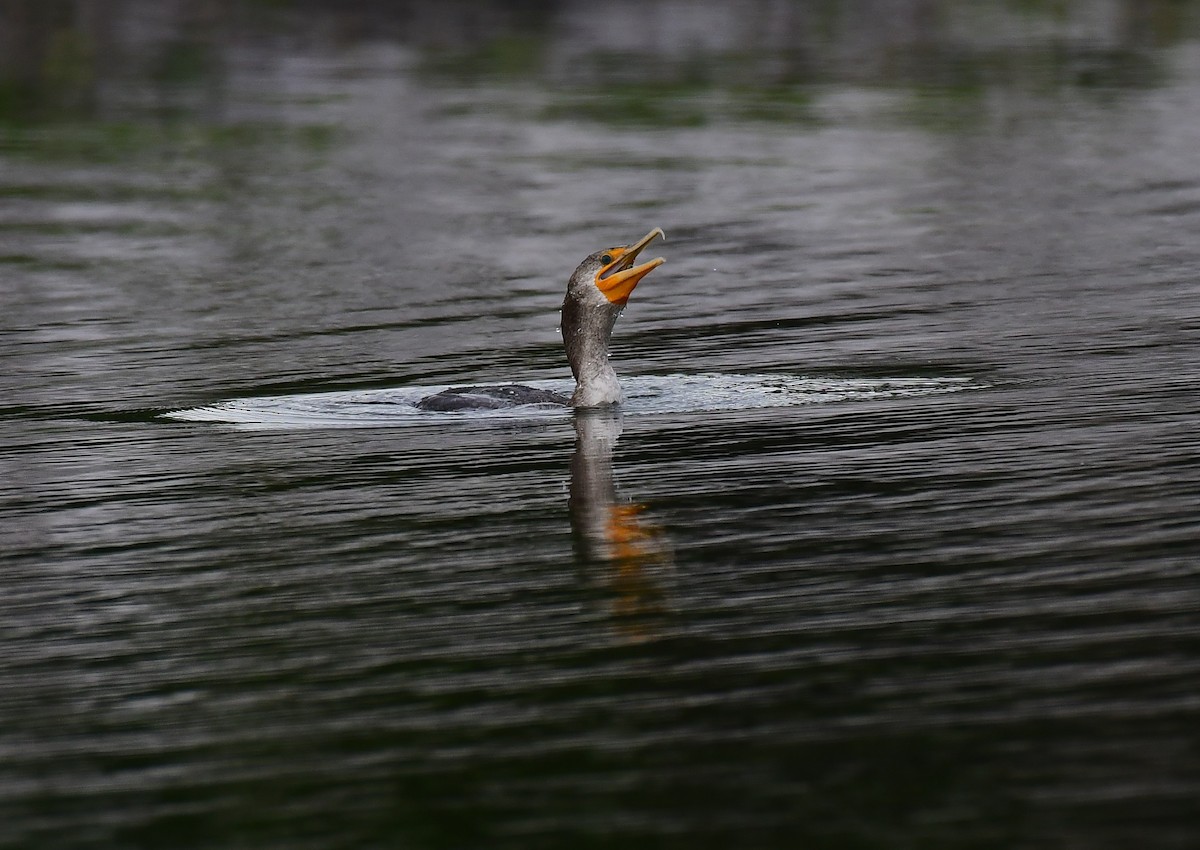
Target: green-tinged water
894,545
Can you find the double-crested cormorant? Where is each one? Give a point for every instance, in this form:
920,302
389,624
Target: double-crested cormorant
596,293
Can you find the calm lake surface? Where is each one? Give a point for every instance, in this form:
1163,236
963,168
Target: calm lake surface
965,615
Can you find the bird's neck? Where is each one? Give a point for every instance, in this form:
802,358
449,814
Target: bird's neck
586,337
597,388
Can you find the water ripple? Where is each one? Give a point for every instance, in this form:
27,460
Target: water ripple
703,393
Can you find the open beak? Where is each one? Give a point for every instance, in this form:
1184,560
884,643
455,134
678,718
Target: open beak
617,279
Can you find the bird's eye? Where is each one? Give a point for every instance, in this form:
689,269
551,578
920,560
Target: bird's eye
606,259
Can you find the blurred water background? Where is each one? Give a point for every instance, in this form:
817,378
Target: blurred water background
959,619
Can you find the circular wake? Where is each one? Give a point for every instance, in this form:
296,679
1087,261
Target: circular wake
643,395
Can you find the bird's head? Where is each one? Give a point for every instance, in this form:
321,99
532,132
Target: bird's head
596,292
607,278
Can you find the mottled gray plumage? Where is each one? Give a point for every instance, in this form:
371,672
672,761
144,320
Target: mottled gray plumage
587,324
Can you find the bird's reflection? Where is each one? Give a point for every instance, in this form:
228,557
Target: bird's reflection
627,552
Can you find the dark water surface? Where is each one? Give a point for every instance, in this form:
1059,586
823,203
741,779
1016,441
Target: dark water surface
873,619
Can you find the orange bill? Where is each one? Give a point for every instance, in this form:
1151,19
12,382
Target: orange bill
618,278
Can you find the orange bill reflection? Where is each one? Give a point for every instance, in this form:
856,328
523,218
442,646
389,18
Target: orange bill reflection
628,552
